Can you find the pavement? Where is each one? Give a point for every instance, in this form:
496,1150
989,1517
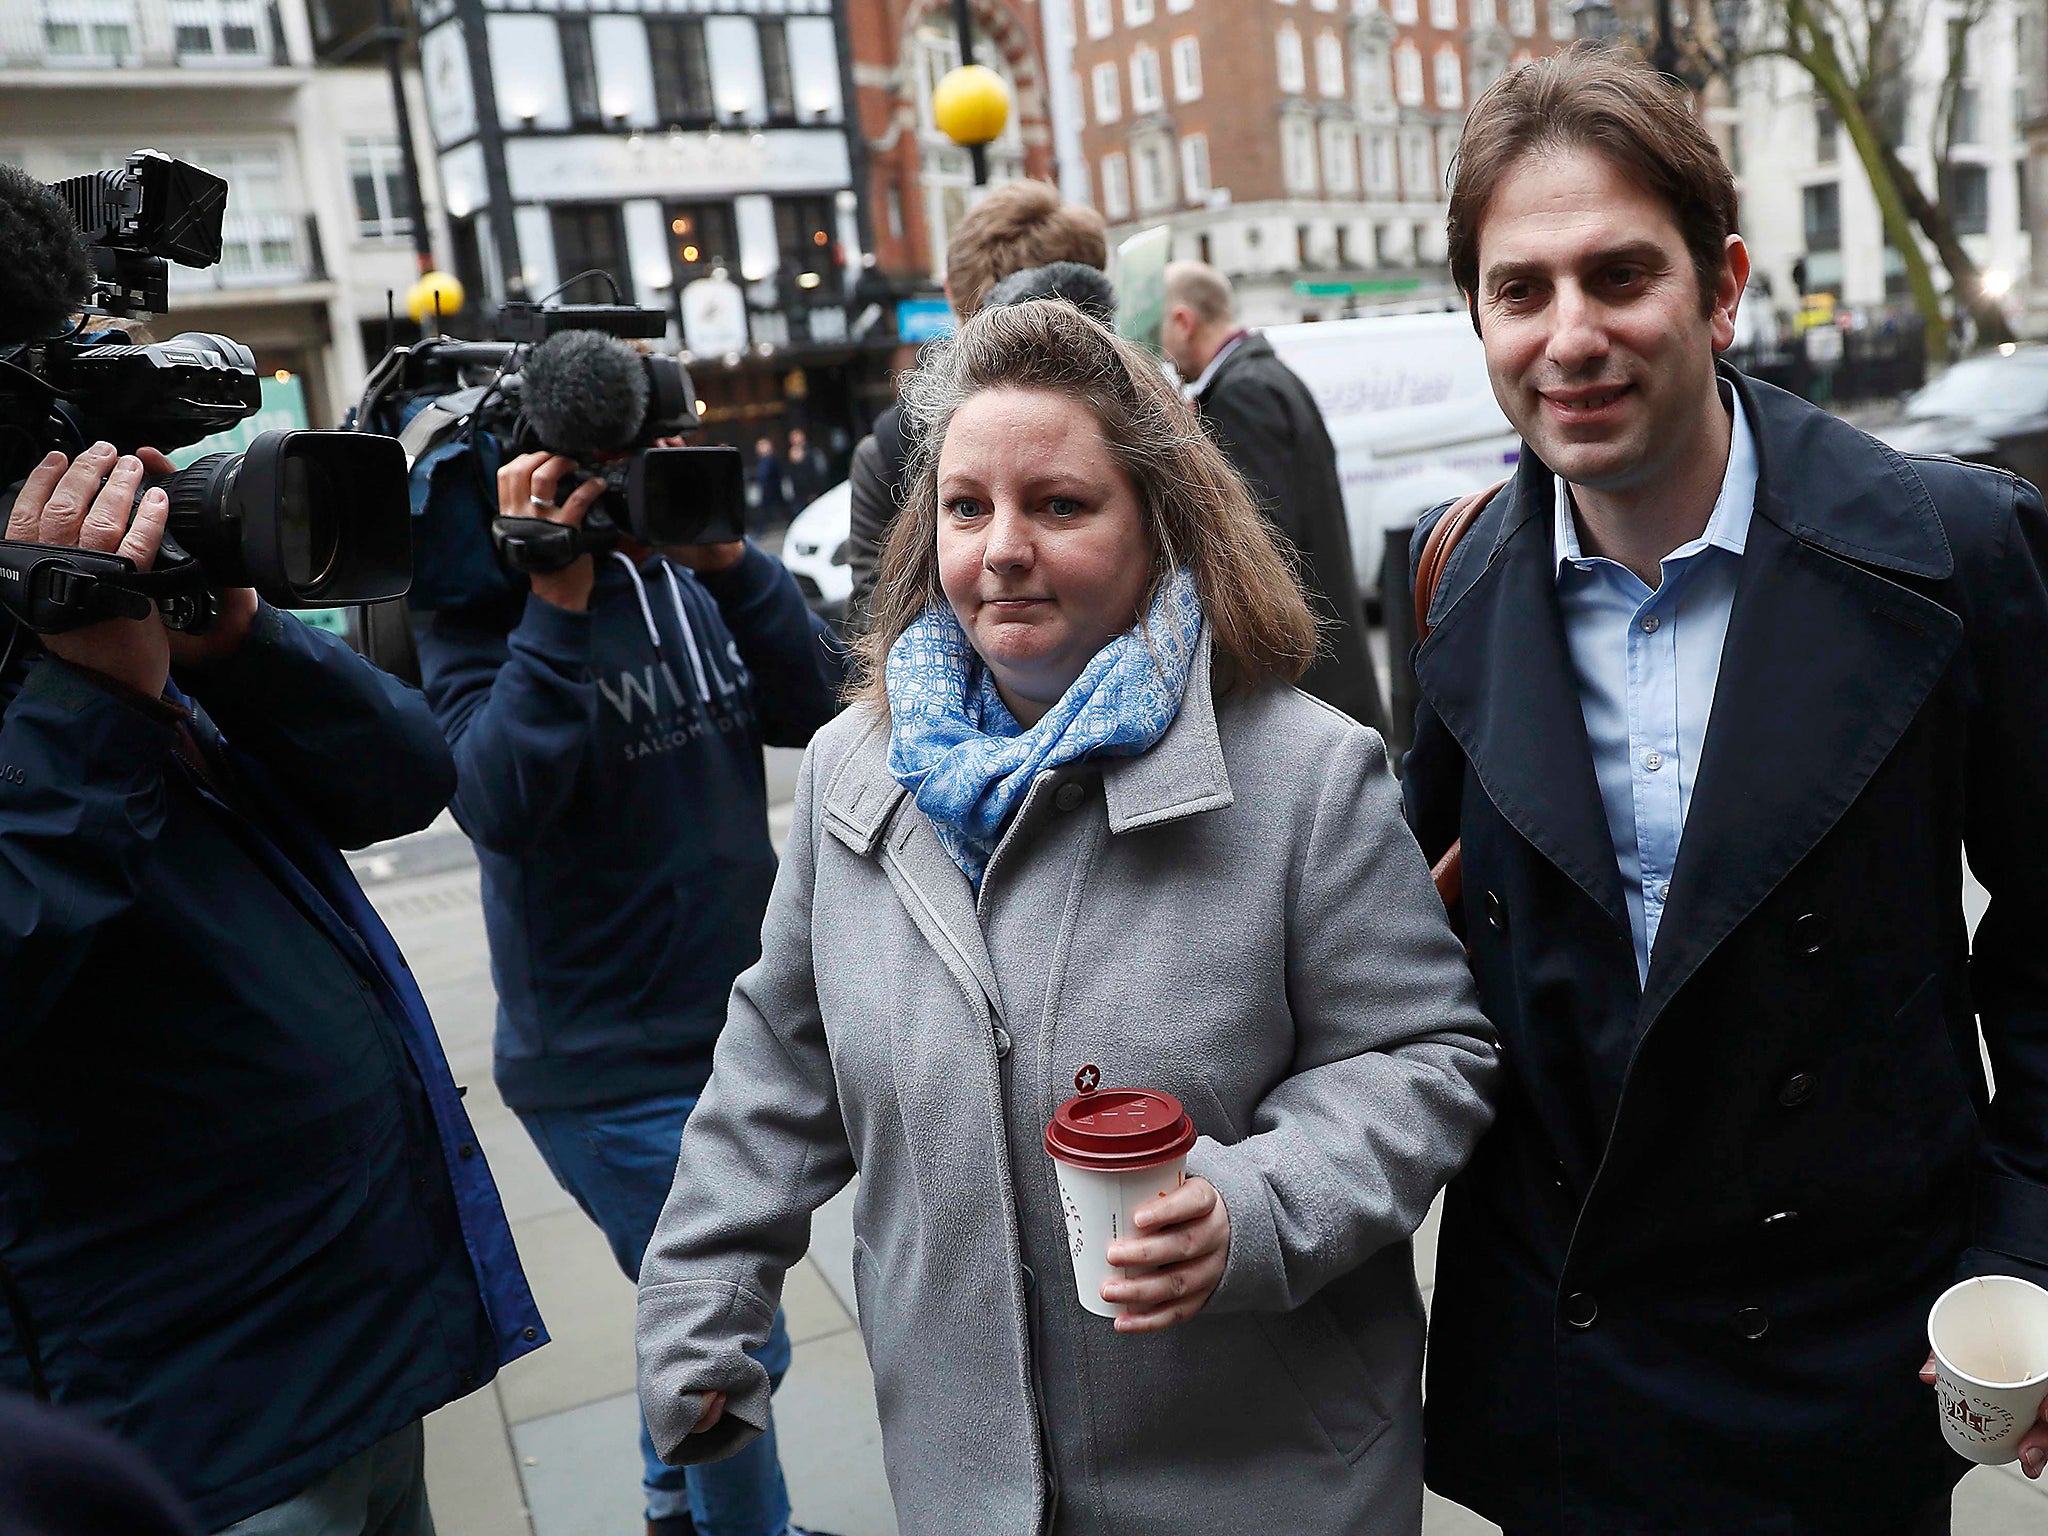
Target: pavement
550,1448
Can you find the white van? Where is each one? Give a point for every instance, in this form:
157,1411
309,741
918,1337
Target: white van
1413,418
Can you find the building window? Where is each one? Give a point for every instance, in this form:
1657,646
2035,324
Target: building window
775,76
1450,80
1340,160
1293,74
682,70
1298,153
1418,172
1735,148
1096,14
1108,97
1116,188
1827,134
1154,178
217,28
804,243
1823,211
1446,155
1561,28
1178,6
1968,195
1187,69
1408,75
89,29
1483,14
1137,13
377,177
1379,163
1194,168
1522,17
1145,93
590,238
705,236
1404,12
579,72
1374,74
1964,125
1329,65
1443,15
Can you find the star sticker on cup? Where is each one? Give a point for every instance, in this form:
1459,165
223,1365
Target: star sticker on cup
1088,1079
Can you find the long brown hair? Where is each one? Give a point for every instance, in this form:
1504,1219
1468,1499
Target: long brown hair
1196,508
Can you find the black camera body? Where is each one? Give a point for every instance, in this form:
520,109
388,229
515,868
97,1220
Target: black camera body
310,519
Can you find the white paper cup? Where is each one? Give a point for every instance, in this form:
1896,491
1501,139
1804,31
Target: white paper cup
1990,1340
1099,1209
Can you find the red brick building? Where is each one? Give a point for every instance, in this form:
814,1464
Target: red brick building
1300,145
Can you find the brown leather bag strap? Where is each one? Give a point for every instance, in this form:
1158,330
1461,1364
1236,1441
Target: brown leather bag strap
1449,871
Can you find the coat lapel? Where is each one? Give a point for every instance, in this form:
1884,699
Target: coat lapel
1826,663
1497,672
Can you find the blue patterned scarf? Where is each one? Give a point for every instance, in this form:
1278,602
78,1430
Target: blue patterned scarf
968,763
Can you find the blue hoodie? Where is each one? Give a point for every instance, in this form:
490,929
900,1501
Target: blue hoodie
609,772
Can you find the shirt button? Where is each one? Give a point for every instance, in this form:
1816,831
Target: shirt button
1652,761
1651,624
529,1333
1068,795
1664,891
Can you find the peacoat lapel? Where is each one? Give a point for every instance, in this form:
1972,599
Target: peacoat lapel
1497,672
1827,661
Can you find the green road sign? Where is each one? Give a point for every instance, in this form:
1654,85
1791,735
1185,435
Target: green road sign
1344,290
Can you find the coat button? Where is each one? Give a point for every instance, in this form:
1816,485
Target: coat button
1752,1323
1002,1042
1580,1309
1781,1221
1069,795
1796,1090
1557,1176
1809,935
1496,912
466,1151
529,1333
1030,1280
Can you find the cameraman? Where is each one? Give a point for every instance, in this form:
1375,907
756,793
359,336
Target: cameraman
608,756
243,1221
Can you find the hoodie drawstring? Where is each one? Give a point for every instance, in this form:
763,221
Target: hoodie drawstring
675,596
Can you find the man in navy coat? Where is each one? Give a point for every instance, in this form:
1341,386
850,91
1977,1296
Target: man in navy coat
1719,694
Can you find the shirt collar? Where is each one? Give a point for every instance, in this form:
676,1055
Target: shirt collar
1727,526
1195,390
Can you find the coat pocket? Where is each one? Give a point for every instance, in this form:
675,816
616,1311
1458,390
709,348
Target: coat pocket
1330,1374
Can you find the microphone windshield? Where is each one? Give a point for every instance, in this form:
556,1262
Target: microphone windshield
47,274
584,392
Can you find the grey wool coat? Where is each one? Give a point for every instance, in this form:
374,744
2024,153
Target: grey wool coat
1239,917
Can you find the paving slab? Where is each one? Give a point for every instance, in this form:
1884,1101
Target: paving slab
472,1483
589,1307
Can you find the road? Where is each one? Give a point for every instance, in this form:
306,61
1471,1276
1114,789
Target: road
549,1448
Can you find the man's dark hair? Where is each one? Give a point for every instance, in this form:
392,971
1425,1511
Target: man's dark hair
1602,100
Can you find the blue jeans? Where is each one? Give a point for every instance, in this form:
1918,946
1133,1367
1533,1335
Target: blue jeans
618,1160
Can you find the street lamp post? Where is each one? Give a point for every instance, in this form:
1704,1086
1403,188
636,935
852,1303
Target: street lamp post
963,23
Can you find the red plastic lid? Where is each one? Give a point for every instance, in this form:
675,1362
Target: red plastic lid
1119,1129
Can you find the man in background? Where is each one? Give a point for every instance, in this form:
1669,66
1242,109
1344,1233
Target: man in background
1266,422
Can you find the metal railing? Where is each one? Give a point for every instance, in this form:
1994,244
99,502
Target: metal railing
258,250
101,34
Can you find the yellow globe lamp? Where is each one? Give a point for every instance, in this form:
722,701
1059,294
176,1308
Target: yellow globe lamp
971,105
436,295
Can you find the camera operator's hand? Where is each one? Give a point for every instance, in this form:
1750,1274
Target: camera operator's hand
526,488
85,505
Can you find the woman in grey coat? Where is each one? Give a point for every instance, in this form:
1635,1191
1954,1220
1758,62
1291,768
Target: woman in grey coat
1077,818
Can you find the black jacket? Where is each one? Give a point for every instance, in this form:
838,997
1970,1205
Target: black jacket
875,485
1263,417
1683,1285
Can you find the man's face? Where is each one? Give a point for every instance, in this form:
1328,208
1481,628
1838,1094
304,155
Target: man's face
1599,349
796,444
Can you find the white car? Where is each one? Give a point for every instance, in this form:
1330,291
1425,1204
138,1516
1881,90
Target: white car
815,550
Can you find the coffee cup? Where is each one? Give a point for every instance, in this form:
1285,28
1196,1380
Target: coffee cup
1113,1150
1990,1341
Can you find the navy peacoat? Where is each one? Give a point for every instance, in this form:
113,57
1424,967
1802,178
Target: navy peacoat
1683,1285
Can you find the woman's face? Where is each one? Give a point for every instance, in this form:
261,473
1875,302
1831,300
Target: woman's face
1043,549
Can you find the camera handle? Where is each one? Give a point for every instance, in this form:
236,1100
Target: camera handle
54,588
538,547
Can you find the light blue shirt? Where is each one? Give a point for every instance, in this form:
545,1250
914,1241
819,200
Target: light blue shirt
1647,662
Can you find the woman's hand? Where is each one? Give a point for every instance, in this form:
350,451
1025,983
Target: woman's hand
526,488
714,1410
1186,1243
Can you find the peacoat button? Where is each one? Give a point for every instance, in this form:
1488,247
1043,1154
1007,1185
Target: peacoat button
1496,912
1069,795
1580,1309
1752,1323
1796,1090
1030,1280
1781,1221
1809,935
1002,1042
1557,1176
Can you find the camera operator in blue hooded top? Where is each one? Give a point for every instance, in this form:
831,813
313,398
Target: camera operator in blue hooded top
608,749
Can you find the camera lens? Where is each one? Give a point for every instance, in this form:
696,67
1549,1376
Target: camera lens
308,528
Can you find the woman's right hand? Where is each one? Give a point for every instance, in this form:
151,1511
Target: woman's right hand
526,488
714,1410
